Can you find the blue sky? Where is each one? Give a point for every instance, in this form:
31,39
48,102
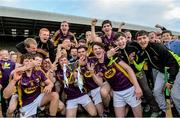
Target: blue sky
141,12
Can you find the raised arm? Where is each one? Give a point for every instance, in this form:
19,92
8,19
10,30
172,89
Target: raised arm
51,71
93,32
120,27
9,90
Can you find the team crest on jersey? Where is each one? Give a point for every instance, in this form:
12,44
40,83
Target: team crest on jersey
6,65
87,74
38,80
110,73
31,82
24,83
30,90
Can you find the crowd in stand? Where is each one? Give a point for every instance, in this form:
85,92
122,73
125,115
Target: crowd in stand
66,75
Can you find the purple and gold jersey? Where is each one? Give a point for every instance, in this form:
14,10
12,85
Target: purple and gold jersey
88,80
29,87
118,79
109,42
72,91
7,67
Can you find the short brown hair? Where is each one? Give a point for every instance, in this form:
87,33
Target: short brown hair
65,22
141,33
99,44
82,41
82,46
166,31
118,34
26,56
106,22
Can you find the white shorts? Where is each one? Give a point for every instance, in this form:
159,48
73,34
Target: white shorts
83,100
121,98
96,95
31,109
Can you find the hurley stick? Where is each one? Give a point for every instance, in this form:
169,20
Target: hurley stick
167,94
